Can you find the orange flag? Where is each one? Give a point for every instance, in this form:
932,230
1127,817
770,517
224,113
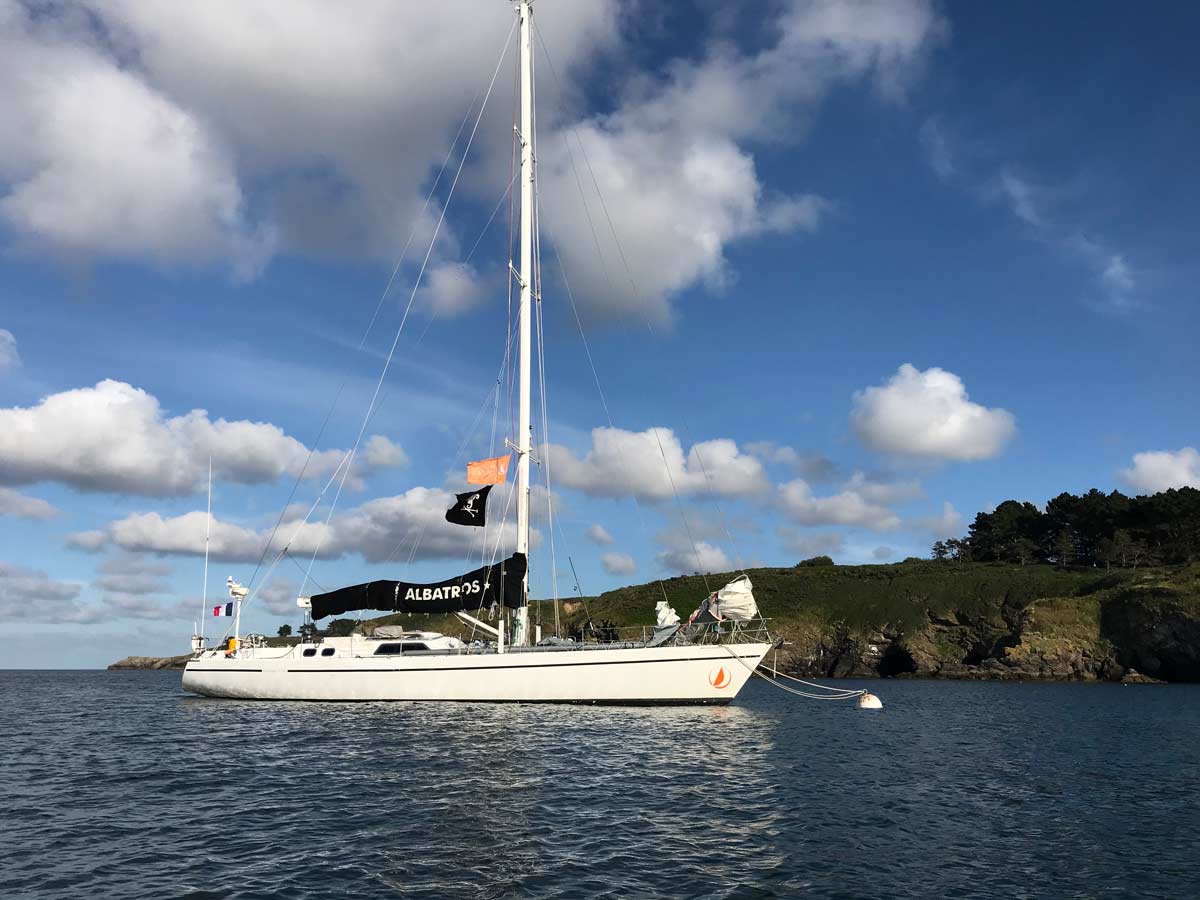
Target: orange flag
487,471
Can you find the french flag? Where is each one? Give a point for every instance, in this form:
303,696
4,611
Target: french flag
226,610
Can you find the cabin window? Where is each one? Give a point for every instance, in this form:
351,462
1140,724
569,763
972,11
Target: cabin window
311,651
394,649
328,651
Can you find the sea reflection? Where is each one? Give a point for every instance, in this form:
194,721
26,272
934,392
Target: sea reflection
951,790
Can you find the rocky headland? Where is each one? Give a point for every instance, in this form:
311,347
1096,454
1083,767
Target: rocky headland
920,619
151,662
928,619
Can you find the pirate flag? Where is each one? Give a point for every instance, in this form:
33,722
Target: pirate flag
470,508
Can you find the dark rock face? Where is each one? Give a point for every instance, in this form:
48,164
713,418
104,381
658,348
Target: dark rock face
1154,634
1143,635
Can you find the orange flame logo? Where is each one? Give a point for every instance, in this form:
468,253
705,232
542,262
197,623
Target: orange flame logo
720,678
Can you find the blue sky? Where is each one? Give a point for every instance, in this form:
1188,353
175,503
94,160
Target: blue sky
888,265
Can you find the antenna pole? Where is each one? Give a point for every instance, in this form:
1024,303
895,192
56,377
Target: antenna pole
207,533
526,276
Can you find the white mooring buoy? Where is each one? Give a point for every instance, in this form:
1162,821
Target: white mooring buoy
869,701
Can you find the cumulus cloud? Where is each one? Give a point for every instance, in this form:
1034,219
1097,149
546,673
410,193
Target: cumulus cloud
132,575
928,414
451,289
948,524
1161,470
848,507
806,545
681,556
32,595
115,437
648,463
136,588
279,596
98,162
9,357
812,467
618,563
673,162
884,492
87,541
20,506
106,96
598,534
409,525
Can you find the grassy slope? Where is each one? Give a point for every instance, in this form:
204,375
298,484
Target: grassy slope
1038,619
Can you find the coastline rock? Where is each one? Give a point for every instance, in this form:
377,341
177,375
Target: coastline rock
1133,676
151,662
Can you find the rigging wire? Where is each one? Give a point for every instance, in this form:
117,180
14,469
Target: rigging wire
637,292
362,341
412,296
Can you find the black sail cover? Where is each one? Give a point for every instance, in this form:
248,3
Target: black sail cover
502,583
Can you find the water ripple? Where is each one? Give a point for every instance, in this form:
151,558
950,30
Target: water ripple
120,785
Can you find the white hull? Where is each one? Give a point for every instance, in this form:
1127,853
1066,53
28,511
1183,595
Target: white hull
689,674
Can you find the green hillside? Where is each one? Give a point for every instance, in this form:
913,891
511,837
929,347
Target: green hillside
933,618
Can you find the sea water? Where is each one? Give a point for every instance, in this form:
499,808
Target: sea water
117,784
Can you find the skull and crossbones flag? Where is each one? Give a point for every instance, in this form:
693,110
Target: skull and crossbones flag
470,508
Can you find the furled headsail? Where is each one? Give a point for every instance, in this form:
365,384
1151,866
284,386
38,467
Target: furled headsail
501,584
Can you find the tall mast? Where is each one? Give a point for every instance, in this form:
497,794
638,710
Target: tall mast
526,275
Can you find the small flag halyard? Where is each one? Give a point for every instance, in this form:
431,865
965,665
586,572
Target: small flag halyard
226,610
470,508
488,471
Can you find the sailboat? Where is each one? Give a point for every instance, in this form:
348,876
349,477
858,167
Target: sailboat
706,660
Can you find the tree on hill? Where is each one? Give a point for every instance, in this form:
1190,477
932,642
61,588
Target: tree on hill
815,561
1086,530
285,630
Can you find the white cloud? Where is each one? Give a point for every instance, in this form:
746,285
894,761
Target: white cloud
386,529
937,149
598,534
806,545
279,596
115,437
21,506
29,594
249,151
809,466
681,556
848,507
1115,277
885,493
9,357
1040,208
618,563
948,524
1161,470
673,163
647,464
87,541
103,98
98,162
882,553
380,452
928,414
450,289
137,588
1020,198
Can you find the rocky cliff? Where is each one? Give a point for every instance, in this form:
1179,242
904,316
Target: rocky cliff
946,620
152,662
